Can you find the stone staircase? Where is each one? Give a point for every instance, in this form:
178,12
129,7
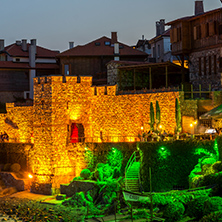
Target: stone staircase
132,175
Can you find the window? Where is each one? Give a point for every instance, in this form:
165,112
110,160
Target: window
107,43
212,28
215,64
17,59
158,51
154,52
220,29
209,61
215,27
97,44
205,66
200,71
179,34
197,32
207,29
66,69
220,62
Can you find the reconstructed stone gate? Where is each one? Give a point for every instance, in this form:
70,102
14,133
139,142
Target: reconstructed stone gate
60,104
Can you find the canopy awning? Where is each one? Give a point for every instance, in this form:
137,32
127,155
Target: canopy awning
215,113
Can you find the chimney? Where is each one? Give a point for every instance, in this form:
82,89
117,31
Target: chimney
113,38
32,53
71,45
24,44
2,44
18,42
33,44
157,28
162,26
116,51
199,8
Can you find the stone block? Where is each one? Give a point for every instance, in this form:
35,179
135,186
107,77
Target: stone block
61,197
78,186
41,188
10,180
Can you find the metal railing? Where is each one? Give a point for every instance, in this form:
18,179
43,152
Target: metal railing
132,159
196,94
105,139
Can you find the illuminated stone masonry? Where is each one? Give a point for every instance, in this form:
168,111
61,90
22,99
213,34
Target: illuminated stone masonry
103,115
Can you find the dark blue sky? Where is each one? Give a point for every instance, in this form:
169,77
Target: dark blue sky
56,22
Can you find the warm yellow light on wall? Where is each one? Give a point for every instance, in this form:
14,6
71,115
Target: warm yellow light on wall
75,113
191,125
30,176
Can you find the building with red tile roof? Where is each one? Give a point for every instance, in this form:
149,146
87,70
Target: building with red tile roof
91,59
20,62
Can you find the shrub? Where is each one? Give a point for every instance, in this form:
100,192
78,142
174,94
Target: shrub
85,174
212,217
217,167
173,211
212,204
7,167
195,207
15,167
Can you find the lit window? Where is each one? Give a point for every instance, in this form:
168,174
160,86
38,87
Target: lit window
107,43
66,69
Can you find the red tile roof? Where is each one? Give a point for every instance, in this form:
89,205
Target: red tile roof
188,18
127,62
16,50
91,49
165,33
20,65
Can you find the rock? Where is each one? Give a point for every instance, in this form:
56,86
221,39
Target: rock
10,180
77,186
60,197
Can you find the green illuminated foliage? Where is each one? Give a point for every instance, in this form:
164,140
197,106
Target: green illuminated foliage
85,174
173,211
152,121
178,117
212,204
212,217
158,117
163,152
114,160
196,207
90,159
217,167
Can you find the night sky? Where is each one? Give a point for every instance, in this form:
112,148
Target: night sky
54,22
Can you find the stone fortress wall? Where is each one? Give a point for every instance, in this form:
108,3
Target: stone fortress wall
100,110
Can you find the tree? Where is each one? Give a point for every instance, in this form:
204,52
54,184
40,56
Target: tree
178,117
151,117
158,118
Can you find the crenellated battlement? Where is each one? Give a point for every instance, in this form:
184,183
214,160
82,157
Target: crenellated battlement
63,79
75,80
105,90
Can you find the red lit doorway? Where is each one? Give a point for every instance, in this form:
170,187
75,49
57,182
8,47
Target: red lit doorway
77,133
74,133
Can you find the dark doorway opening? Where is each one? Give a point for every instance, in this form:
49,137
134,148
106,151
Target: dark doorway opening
77,133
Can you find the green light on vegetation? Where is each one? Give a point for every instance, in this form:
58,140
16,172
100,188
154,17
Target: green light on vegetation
163,152
216,149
